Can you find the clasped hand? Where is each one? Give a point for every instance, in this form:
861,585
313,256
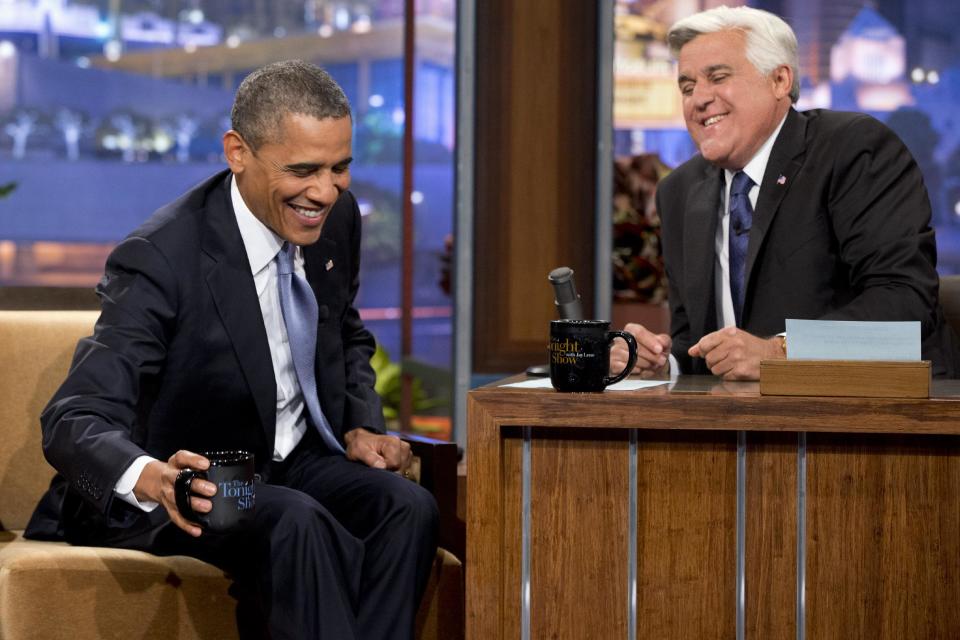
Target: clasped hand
377,450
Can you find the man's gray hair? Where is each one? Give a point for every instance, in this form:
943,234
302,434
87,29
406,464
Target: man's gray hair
271,93
770,41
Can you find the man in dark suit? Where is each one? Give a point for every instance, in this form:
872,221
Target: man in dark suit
814,215
195,351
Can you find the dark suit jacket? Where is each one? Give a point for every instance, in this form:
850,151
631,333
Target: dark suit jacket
841,231
179,359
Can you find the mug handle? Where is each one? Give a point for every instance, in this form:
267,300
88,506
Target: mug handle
631,360
181,491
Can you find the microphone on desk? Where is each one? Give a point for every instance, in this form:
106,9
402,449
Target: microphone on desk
567,301
565,294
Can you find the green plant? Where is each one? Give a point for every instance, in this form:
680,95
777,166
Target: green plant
7,189
389,386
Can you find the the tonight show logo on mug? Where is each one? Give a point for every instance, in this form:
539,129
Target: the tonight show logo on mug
580,354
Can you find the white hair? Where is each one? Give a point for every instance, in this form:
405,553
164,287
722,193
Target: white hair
770,41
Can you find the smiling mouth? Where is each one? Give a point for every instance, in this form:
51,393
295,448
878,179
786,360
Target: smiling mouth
306,212
712,120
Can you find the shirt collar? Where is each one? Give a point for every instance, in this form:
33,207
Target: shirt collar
758,163
261,243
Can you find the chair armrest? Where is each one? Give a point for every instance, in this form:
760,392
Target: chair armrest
438,475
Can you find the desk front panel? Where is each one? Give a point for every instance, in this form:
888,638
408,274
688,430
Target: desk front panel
883,537
632,532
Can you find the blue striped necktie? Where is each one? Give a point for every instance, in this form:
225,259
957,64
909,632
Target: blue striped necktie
741,218
299,308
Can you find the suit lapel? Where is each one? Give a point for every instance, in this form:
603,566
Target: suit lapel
228,276
785,161
318,265
700,229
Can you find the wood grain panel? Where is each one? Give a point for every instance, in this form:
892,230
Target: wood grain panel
579,488
686,543
535,168
771,536
883,547
512,535
857,379
485,523
535,122
703,402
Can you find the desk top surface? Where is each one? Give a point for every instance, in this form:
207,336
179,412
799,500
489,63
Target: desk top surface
707,402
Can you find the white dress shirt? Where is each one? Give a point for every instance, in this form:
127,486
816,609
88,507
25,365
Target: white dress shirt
721,271
262,246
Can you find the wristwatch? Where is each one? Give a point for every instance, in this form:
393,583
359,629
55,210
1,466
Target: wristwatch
782,338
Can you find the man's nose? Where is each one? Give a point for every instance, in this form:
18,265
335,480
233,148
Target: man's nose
323,188
702,95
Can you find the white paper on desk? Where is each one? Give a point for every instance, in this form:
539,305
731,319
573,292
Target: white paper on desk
852,340
623,385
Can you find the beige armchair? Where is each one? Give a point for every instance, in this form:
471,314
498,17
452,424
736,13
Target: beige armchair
52,590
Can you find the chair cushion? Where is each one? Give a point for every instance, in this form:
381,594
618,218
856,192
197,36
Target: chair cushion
55,591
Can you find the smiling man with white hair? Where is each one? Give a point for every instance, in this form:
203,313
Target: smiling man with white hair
783,214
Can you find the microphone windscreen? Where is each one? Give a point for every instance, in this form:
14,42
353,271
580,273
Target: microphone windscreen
565,294
562,280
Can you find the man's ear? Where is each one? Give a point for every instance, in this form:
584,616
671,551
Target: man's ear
782,78
236,151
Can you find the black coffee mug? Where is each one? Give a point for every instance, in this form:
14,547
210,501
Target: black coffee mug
232,472
580,354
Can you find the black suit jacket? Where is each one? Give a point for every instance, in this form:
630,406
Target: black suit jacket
179,359
841,231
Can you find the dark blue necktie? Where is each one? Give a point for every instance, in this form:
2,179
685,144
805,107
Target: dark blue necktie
299,308
741,217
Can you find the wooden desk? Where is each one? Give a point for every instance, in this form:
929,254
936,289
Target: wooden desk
682,512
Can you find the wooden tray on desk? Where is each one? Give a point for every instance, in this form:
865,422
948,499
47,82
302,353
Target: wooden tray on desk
845,378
